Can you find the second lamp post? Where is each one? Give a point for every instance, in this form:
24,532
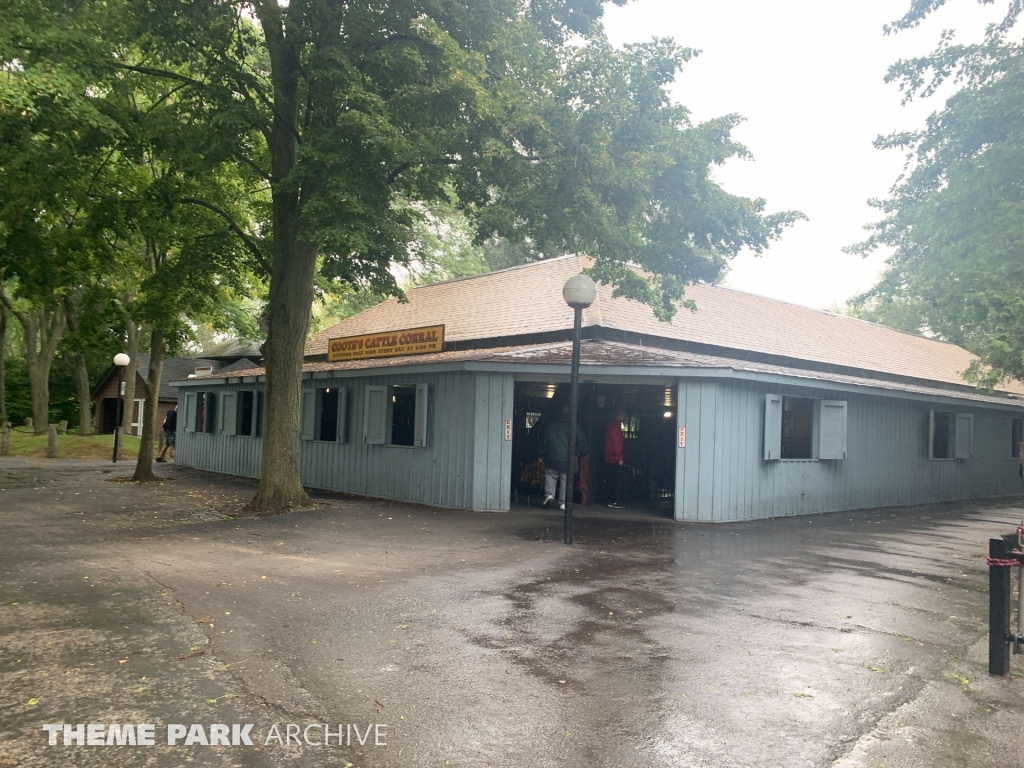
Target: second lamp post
120,360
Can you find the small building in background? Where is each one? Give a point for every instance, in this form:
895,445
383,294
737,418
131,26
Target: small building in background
105,394
746,408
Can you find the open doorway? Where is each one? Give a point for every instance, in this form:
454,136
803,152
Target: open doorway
649,442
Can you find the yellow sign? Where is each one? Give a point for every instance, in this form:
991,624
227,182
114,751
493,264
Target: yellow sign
414,341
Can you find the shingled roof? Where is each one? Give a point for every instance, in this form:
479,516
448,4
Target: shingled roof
527,300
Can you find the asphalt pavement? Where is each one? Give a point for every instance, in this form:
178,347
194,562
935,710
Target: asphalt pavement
465,639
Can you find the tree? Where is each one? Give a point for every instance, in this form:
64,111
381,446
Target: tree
955,219
52,154
357,115
43,327
3,364
117,193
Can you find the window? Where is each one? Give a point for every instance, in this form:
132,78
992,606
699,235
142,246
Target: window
532,417
238,413
323,414
396,415
942,434
950,435
203,412
1016,436
403,415
246,413
797,428
804,428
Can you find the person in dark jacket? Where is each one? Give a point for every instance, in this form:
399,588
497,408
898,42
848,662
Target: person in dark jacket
170,428
614,458
554,452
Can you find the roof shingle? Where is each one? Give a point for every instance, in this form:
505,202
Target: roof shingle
528,300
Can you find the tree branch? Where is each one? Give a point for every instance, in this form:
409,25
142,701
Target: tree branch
10,307
406,166
164,73
242,234
255,167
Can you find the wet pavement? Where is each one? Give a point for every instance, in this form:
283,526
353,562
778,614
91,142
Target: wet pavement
480,640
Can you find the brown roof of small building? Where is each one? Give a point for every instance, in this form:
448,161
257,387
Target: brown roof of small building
528,300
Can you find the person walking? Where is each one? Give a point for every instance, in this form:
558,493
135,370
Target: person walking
170,429
554,452
614,458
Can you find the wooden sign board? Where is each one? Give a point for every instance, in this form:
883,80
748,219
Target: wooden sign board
412,341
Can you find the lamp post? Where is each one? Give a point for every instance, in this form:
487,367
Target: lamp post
579,293
120,360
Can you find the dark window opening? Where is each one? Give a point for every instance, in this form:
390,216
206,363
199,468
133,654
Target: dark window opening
797,428
257,427
403,420
943,436
203,403
245,409
328,426
631,428
1016,437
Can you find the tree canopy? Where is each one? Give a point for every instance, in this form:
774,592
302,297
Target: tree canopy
356,117
955,219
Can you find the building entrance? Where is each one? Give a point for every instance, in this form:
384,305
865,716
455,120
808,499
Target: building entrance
648,473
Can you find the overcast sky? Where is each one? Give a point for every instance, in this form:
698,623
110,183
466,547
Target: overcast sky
808,76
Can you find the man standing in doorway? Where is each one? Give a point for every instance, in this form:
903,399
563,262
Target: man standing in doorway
170,430
614,458
554,452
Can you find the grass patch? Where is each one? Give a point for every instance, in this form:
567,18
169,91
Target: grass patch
73,446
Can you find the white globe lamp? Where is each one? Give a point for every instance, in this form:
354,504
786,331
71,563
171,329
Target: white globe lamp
579,291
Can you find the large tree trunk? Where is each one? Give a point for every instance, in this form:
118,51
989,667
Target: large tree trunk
130,371
291,298
84,395
144,466
3,369
44,329
291,281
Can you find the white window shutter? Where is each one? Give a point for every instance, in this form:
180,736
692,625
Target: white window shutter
772,427
187,417
229,413
832,430
420,431
308,414
342,414
964,435
931,434
375,416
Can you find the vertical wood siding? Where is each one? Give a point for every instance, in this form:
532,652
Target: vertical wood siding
721,474
492,459
466,463
230,454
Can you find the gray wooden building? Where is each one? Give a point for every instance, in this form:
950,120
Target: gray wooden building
747,408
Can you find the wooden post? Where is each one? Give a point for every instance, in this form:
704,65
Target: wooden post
29,423
51,442
62,428
5,439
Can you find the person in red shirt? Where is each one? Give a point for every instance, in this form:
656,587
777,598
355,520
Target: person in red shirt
614,461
